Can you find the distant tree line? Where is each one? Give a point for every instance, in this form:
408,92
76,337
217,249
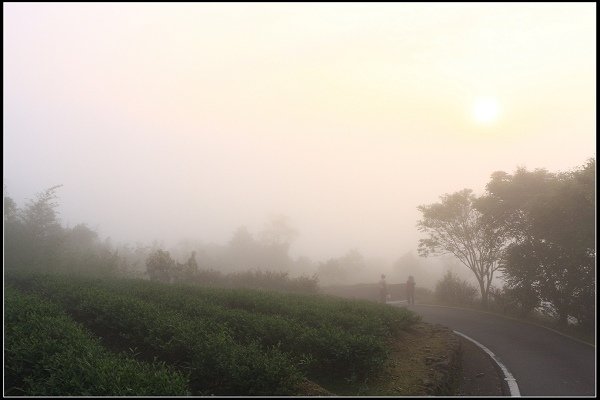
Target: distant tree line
536,228
35,240
162,268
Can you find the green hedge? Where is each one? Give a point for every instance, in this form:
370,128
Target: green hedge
48,354
231,341
216,363
333,348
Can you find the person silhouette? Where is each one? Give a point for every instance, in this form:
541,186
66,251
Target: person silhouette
410,290
383,291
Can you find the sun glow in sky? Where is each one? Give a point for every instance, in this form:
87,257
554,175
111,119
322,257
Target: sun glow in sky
485,110
173,120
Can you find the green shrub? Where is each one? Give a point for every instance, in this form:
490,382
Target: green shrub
206,351
361,336
255,279
48,354
231,341
453,290
514,301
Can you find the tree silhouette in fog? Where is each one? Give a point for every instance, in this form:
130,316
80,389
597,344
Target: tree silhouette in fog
160,266
455,226
551,253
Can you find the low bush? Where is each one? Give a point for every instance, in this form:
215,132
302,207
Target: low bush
453,290
48,354
231,341
256,279
216,363
512,301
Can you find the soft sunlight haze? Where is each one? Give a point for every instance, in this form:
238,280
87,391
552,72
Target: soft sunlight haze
167,121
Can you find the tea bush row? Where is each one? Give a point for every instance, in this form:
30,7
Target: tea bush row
216,363
356,316
197,328
48,354
330,347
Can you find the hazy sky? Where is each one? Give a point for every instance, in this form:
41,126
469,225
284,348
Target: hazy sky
186,120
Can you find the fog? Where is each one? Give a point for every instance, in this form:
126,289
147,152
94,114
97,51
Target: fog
183,122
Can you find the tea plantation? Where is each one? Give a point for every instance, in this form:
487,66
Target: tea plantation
68,335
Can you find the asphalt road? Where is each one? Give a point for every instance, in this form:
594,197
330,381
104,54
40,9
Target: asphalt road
543,362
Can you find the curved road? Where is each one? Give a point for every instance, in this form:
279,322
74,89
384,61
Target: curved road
543,362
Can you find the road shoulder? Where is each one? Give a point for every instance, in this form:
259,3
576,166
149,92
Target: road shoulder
480,375
424,361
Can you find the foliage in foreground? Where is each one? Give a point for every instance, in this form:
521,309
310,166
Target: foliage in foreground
46,353
230,342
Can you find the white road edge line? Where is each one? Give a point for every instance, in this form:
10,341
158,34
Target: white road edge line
504,316
510,380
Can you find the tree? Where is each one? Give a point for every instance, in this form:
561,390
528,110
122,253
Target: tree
160,266
186,272
453,290
550,256
35,239
341,269
191,264
278,231
40,216
42,230
15,245
455,226
276,239
82,250
10,210
243,251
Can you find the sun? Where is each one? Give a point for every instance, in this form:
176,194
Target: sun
485,110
